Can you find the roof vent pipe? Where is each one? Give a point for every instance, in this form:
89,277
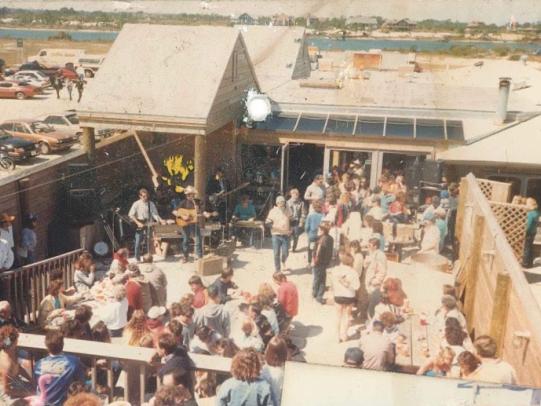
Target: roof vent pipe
503,98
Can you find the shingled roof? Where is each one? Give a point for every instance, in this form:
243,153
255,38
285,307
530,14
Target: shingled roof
279,54
162,77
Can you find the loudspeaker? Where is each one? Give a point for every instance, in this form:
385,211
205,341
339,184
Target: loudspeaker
82,206
80,176
412,175
431,171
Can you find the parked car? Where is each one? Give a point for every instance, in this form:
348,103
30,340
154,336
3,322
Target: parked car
35,77
17,90
16,148
67,122
48,138
91,64
50,71
67,73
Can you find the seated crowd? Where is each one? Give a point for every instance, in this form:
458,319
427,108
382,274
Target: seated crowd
128,307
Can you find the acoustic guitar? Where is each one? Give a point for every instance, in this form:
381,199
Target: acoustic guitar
192,215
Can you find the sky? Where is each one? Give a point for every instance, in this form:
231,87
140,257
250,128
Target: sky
488,11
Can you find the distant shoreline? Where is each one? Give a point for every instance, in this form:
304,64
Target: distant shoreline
436,37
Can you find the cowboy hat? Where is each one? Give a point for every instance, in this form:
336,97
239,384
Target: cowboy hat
6,218
190,190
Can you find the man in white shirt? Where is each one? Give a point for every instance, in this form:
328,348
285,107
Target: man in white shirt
492,369
378,350
315,192
279,218
142,212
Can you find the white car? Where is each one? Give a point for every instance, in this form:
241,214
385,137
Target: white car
35,78
66,122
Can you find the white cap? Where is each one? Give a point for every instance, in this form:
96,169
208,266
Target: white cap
156,311
280,199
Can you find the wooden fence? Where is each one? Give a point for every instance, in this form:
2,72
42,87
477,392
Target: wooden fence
497,298
137,361
26,287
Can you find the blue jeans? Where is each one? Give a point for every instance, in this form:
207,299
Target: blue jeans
139,235
320,279
311,248
280,248
191,231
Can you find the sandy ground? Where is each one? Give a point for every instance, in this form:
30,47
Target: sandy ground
12,55
315,327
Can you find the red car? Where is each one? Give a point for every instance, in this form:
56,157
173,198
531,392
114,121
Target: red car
17,90
67,73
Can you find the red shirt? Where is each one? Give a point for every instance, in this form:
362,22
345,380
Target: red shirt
199,298
134,296
288,296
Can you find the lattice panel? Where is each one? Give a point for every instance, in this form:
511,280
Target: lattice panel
486,187
512,220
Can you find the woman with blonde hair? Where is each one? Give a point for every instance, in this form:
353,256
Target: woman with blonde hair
531,229
345,283
135,329
266,298
246,387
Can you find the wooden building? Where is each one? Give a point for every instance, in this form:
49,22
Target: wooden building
405,24
160,79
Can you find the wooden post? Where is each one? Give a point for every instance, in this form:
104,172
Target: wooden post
463,199
88,142
472,268
200,166
500,310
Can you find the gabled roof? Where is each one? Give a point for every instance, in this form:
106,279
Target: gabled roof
515,145
161,74
274,52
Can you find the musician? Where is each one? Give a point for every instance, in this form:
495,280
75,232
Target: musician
142,212
244,211
192,230
216,186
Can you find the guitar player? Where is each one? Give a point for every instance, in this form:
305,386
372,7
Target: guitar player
143,212
217,186
191,229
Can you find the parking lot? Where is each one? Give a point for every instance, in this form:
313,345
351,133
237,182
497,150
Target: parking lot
47,103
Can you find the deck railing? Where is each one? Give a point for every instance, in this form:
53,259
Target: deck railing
136,362
497,298
26,287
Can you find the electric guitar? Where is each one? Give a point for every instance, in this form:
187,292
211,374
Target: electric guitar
216,197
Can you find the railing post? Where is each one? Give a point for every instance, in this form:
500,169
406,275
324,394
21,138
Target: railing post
500,310
472,267
142,382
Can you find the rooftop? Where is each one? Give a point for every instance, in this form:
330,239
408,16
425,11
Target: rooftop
274,52
515,144
161,73
467,93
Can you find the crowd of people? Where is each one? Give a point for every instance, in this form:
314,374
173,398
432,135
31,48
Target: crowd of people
128,306
347,248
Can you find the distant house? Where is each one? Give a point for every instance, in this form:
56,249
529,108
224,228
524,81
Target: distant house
246,19
363,23
311,20
404,24
282,20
